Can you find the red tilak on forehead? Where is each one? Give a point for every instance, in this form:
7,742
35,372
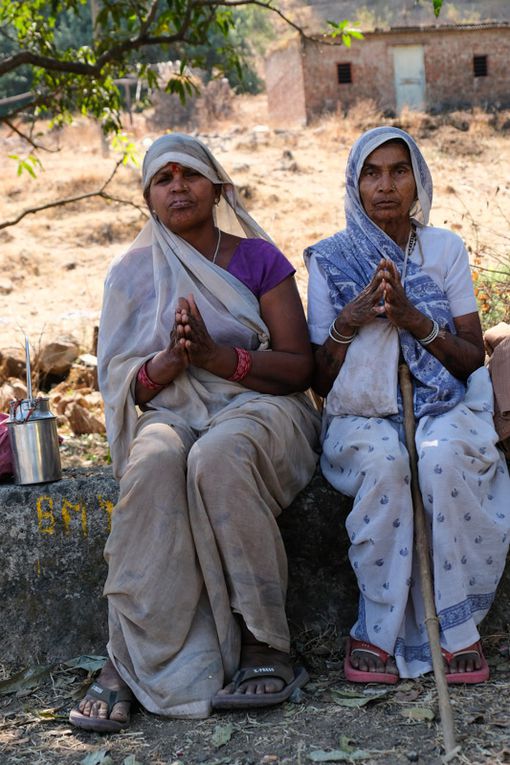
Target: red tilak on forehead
174,167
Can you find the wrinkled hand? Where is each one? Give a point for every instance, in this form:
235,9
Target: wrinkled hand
398,309
365,307
191,333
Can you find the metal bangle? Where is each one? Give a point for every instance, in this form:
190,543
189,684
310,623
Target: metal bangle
434,332
341,339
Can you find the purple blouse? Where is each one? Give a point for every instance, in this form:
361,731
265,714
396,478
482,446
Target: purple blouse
259,265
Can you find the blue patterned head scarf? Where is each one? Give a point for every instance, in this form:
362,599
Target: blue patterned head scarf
350,258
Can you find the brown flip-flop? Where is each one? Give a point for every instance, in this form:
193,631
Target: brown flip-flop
102,724
293,678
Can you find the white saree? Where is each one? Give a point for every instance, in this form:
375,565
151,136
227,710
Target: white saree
463,477
203,471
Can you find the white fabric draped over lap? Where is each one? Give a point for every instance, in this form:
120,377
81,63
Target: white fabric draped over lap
465,487
463,477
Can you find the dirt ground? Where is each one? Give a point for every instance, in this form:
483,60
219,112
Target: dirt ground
330,721
52,269
53,264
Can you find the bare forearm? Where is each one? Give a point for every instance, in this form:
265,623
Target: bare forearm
276,372
162,369
329,358
459,355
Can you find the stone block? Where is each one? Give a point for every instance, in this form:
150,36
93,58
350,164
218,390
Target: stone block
51,548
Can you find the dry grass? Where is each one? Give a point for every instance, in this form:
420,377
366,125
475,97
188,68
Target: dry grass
292,182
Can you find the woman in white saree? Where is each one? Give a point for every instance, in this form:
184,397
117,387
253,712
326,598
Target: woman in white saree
203,359
389,285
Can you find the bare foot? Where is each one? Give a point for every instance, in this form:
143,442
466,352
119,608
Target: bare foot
108,678
463,661
372,659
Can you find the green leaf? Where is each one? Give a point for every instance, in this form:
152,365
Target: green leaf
437,5
50,715
418,714
222,735
90,663
26,680
352,699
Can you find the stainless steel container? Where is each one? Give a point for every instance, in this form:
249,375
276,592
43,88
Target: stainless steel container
34,441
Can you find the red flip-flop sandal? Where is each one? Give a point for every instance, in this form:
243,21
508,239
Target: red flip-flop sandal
355,675
477,675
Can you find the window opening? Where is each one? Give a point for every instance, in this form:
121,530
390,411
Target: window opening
344,73
480,66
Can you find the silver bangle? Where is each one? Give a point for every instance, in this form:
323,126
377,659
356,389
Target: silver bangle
341,339
434,332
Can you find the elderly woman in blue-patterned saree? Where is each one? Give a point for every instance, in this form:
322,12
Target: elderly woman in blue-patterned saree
387,287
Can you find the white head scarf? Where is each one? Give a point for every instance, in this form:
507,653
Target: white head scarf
141,291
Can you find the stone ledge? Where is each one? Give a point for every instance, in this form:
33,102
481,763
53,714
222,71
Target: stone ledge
52,539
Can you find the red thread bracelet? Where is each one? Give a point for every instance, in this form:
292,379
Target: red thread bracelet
243,365
144,379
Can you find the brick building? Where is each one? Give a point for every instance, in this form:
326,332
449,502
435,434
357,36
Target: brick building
425,68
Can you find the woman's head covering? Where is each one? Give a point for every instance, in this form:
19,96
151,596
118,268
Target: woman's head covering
350,258
141,292
364,146
230,214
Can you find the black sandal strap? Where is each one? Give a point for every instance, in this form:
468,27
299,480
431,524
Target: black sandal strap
108,695
276,669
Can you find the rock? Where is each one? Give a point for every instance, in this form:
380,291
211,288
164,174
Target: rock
83,376
12,364
53,570
11,389
94,400
6,395
88,359
56,357
6,286
82,421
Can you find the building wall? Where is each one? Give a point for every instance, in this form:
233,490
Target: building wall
372,74
449,78
449,68
285,85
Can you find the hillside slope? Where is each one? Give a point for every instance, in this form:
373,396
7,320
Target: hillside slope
370,14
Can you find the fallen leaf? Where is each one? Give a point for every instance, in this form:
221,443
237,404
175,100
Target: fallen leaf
89,663
352,699
26,680
50,714
100,757
131,760
418,714
222,735
346,744
410,695
338,755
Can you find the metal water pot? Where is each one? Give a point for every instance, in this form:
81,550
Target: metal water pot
34,441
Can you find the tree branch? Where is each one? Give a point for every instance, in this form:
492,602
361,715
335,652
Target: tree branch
27,138
79,198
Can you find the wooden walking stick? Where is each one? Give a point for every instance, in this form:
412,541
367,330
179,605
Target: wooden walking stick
422,551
